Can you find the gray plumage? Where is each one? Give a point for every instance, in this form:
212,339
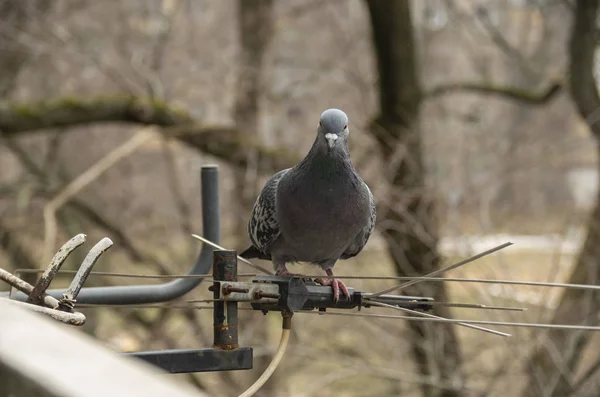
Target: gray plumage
318,211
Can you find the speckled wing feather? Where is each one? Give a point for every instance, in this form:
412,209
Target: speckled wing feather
263,226
361,239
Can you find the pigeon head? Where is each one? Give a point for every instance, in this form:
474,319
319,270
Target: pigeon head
333,128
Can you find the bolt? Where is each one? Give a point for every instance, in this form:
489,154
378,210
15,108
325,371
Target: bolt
228,289
261,294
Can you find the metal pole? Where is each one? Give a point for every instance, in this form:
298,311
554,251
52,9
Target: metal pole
140,294
225,314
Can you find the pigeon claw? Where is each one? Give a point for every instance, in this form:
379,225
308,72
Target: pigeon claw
337,285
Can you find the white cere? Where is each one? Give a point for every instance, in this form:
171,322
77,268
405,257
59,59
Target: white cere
331,136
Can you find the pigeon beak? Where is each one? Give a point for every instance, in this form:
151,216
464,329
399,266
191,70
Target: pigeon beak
331,138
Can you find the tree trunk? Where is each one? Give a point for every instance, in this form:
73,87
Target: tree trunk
255,24
556,359
412,240
255,19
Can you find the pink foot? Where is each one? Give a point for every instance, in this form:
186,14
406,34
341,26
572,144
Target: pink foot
337,285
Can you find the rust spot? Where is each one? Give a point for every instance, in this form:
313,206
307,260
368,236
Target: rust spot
227,346
224,327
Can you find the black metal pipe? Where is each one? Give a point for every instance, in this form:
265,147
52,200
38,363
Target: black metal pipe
225,314
139,294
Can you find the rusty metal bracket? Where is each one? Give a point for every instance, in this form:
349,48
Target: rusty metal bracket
225,314
225,354
39,301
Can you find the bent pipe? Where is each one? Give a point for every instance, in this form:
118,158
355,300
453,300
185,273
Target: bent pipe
140,294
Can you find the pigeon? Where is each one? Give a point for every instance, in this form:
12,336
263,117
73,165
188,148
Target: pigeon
318,211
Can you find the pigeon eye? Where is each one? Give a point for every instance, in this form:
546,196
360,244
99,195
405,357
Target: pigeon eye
346,126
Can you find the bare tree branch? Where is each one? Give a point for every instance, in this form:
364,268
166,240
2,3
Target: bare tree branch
84,179
68,112
223,142
84,209
482,15
503,91
589,374
17,252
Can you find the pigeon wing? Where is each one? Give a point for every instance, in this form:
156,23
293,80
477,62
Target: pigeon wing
263,227
361,239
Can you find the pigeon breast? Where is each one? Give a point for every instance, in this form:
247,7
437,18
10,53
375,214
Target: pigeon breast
322,205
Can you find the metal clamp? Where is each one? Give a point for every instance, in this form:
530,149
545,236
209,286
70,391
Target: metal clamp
294,294
248,292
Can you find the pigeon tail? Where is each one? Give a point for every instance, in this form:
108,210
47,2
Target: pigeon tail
252,252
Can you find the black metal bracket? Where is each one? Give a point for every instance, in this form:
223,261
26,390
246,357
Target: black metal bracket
178,361
225,355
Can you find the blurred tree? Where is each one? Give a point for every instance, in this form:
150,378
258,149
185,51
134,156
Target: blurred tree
17,18
412,237
529,189
558,358
255,29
